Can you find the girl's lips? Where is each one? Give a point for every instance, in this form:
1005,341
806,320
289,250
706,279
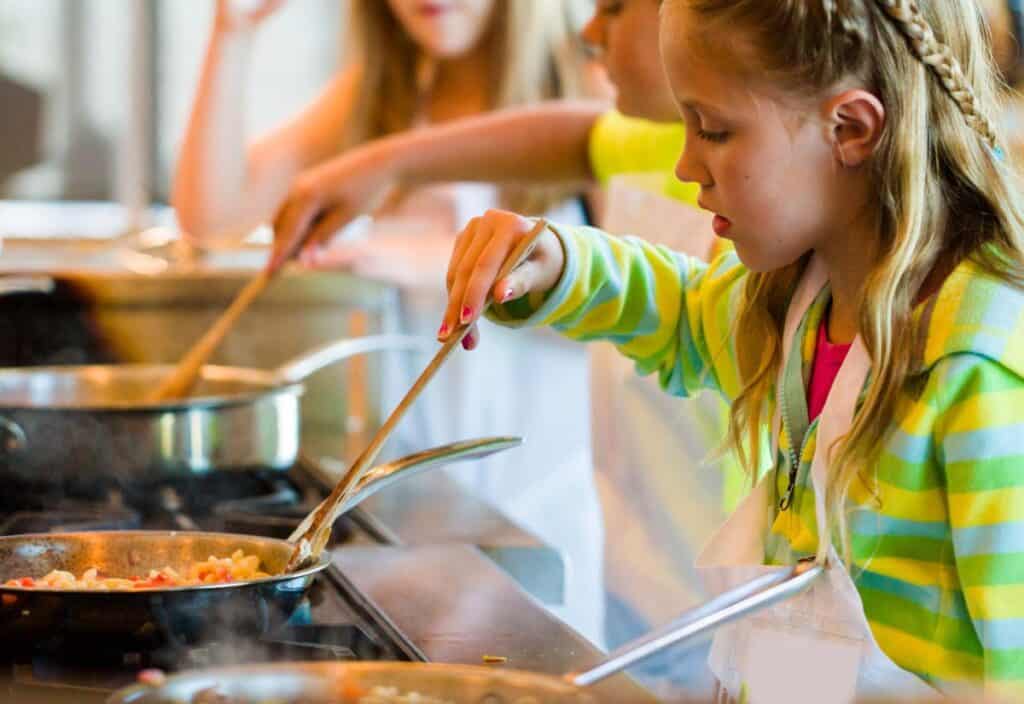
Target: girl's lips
430,9
720,225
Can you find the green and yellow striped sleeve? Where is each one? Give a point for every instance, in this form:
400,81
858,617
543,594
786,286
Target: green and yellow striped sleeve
670,313
980,442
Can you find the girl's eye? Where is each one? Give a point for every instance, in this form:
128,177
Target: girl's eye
716,137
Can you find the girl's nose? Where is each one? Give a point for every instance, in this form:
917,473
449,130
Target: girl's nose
689,168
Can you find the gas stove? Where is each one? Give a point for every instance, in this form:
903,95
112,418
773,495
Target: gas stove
334,622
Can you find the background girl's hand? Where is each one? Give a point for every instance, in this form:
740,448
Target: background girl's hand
233,15
325,199
480,250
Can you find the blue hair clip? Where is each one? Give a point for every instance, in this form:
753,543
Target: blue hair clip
999,154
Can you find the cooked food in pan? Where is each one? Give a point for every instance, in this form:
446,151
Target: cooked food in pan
239,567
350,695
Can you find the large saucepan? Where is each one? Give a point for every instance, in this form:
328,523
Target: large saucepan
344,683
92,421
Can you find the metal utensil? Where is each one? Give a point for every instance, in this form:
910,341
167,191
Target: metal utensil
320,683
309,545
383,476
239,418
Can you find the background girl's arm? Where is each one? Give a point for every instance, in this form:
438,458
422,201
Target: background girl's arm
548,143
221,187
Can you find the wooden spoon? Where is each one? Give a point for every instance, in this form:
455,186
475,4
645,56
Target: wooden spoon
311,543
184,377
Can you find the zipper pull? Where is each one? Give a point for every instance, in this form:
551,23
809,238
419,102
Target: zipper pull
787,499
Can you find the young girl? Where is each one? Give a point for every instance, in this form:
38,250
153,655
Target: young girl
415,63
872,320
651,536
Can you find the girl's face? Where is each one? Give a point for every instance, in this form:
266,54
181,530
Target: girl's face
626,31
444,29
765,166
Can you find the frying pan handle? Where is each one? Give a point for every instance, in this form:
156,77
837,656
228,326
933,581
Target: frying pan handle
746,599
12,437
313,361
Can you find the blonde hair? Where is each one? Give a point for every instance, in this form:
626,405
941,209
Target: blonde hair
538,56
944,193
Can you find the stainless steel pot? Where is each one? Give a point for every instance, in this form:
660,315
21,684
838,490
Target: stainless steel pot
93,421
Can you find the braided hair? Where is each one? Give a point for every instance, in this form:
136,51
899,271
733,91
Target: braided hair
940,59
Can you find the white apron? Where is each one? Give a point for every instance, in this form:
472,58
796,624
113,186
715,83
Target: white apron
816,647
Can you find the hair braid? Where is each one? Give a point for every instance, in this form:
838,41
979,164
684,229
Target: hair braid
940,59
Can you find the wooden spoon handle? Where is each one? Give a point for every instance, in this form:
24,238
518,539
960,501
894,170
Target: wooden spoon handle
184,376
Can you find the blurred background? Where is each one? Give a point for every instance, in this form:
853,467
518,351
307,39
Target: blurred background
95,93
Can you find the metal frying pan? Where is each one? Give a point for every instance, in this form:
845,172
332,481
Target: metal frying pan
148,618
346,683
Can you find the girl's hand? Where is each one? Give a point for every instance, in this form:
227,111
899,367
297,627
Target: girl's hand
480,250
323,200
234,15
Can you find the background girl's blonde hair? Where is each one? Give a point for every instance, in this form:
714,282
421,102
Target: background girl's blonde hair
538,56
944,193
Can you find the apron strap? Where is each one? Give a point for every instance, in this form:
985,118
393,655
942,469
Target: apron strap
814,278
841,402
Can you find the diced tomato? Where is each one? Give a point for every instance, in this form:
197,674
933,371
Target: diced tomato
151,676
27,582
351,691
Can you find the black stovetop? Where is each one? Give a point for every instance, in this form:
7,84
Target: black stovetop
333,623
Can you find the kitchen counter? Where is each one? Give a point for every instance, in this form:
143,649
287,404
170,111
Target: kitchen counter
456,606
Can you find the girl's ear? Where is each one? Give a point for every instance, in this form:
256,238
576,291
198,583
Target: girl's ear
855,120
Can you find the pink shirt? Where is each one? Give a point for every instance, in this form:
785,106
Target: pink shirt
827,360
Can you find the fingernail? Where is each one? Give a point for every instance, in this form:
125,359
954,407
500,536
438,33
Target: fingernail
468,342
443,331
506,296
467,314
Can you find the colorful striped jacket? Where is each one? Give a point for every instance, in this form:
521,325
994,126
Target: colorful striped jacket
938,550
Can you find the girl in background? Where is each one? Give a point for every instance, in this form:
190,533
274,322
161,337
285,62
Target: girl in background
872,318
414,63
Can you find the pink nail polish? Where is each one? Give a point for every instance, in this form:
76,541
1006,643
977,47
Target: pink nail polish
443,331
467,342
506,296
467,314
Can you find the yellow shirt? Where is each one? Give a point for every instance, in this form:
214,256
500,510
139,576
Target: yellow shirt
628,145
